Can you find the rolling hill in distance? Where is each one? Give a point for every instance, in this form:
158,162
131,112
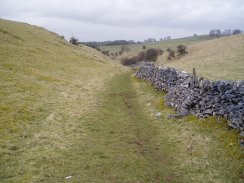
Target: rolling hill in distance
214,58
217,59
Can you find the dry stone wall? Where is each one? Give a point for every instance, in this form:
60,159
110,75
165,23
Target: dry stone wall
198,96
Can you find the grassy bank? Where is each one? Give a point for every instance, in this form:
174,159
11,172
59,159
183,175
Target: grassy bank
205,150
46,85
121,140
216,59
69,111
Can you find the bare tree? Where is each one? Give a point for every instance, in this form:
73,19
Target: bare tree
236,31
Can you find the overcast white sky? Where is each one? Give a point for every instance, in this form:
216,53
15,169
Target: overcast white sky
99,20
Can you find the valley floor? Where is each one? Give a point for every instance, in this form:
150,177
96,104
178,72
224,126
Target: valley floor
121,140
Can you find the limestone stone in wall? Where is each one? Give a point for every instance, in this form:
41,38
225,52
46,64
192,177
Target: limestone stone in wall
193,95
146,72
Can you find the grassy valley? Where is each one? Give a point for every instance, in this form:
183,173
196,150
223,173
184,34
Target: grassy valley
213,58
46,85
70,114
133,49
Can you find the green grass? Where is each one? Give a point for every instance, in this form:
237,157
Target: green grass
122,141
204,150
216,59
135,48
46,84
70,111
213,58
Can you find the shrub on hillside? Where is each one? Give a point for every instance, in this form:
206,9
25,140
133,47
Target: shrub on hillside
144,47
149,55
181,50
73,40
160,52
105,52
128,61
140,56
171,54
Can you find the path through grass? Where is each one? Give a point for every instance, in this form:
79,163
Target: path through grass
122,144
122,141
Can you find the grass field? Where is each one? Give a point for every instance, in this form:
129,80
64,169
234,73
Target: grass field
70,111
213,58
216,59
46,84
135,48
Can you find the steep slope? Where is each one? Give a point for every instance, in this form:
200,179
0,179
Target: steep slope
46,84
221,58
37,66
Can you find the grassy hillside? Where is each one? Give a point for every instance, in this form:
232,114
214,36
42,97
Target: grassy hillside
214,58
135,48
221,58
46,85
69,111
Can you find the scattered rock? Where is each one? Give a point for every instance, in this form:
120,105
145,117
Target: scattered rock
148,104
242,139
158,114
177,116
69,177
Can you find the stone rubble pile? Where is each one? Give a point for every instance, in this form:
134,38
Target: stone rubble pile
193,95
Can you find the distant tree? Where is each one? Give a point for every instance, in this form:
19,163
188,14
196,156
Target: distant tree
227,32
148,55
124,48
150,40
181,50
218,32
236,31
73,40
212,32
215,32
195,35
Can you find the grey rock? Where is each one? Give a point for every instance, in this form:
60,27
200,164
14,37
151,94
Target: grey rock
193,95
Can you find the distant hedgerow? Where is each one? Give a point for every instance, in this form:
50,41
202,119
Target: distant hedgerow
148,55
